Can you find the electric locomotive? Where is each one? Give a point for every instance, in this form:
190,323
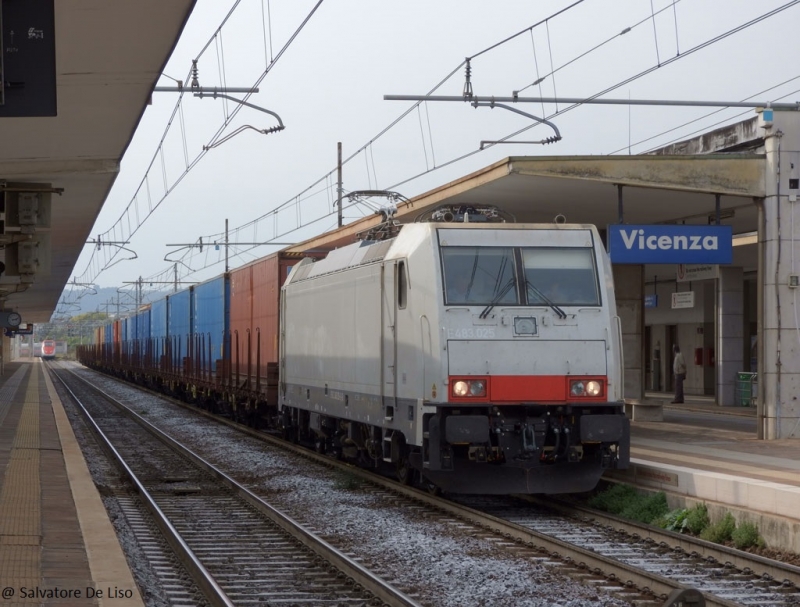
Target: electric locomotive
478,356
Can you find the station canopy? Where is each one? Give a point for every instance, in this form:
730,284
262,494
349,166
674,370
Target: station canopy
650,189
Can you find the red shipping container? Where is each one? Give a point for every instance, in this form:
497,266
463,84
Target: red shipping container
255,301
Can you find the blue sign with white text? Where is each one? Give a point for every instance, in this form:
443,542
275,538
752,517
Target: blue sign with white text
651,301
670,244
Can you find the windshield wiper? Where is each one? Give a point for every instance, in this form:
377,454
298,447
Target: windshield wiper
545,299
496,299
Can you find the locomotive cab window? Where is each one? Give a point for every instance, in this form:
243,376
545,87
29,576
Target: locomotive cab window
561,276
479,275
532,276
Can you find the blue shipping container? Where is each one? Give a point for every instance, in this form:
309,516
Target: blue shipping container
158,318
158,327
210,315
179,322
129,329
179,315
143,325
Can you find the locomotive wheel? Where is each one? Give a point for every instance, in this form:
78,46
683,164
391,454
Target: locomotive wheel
319,445
404,472
289,433
430,487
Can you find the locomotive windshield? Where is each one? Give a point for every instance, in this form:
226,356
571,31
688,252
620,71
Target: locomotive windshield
479,275
563,276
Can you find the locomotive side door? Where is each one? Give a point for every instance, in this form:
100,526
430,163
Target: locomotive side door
389,338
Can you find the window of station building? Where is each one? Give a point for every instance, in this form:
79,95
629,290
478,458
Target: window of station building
561,276
479,275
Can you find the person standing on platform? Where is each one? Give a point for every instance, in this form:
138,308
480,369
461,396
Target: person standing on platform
679,369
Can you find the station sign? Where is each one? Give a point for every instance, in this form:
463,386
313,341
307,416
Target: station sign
651,301
683,300
670,244
28,59
688,273
20,330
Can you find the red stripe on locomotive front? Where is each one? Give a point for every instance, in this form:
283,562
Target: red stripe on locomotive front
531,388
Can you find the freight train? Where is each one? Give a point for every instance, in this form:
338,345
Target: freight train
470,355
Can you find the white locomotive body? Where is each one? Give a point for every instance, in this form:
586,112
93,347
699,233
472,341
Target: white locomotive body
485,356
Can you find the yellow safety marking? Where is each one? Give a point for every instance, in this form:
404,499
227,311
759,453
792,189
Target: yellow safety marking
20,498
107,563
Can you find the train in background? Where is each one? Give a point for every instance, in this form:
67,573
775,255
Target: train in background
47,349
472,355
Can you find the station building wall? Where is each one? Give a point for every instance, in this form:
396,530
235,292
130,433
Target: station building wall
692,328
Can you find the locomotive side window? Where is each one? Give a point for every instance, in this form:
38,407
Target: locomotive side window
402,285
561,276
479,275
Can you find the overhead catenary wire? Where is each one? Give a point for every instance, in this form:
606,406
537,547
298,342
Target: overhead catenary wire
577,103
675,15
589,51
265,26
409,110
91,272
273,212
430,135
699,118
655,31
530,27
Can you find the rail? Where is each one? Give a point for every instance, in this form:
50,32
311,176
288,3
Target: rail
343,563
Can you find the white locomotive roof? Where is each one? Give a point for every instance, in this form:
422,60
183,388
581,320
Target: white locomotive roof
413,235
553,236
356,254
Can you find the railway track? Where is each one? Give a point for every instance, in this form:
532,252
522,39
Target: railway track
766,569
237,549
718,572
647,568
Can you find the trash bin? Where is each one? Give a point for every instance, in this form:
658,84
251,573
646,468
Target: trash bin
746,388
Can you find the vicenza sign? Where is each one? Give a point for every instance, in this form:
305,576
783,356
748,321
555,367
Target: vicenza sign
670,244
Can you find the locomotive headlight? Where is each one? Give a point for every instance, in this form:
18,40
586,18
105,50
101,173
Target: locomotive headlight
469,388
585,388
577,388
594,388
460,388
477,388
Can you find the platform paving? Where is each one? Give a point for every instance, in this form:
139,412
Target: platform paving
54,549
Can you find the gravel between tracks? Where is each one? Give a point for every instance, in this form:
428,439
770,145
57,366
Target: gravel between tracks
444,565
106,478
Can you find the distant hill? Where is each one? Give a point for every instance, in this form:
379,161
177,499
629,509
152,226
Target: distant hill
110,300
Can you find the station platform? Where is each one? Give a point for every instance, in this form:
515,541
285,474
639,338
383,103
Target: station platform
710,453
57,545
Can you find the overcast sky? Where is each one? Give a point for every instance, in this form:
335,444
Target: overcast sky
328,86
